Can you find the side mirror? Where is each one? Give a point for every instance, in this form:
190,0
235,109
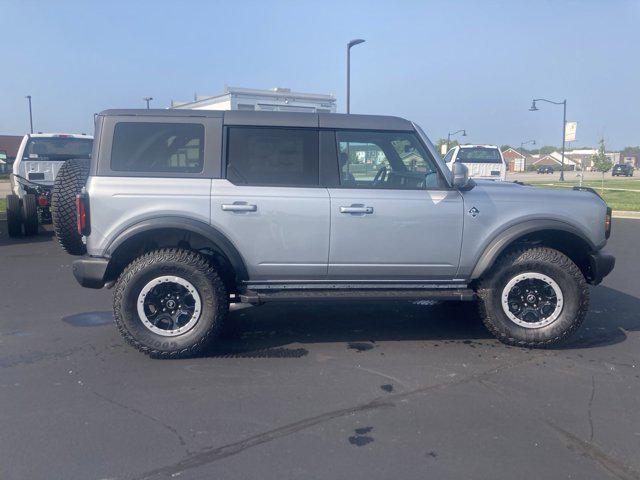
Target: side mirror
460,175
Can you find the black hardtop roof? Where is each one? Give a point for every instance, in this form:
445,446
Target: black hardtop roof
280,119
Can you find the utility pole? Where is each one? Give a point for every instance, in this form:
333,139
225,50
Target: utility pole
28,97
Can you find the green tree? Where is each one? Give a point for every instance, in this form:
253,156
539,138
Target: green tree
601,163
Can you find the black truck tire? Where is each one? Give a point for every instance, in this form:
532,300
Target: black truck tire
14,216
69,181
170,303
30,215
533,297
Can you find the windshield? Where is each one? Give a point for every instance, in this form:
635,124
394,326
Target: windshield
479,155
57,148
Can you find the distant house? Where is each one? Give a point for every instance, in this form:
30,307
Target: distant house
583,158
555,160
516,161
9,145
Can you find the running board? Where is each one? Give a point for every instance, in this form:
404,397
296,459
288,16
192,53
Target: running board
256,298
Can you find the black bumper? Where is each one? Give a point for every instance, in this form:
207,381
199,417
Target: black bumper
600,265
90,271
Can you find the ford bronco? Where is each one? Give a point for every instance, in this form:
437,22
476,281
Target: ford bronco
186,211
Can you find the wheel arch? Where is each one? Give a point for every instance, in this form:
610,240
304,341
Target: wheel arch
180,232
550,233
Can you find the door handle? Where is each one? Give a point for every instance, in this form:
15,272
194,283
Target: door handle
356,209
239,207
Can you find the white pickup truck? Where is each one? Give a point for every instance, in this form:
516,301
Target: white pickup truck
482,161
39,158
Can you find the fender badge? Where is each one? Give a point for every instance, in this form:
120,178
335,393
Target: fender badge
474,212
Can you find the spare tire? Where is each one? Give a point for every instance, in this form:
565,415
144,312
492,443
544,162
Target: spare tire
14,216
69,181
30,215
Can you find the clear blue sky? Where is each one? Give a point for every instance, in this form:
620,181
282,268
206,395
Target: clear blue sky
446,65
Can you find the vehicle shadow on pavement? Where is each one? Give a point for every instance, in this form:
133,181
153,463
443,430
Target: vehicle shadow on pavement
43,236
266,331
611,316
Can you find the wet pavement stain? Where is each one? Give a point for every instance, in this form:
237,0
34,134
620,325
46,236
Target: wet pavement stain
360,346
89,319
360,439
387,387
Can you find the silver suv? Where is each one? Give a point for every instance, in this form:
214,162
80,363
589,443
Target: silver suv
186,211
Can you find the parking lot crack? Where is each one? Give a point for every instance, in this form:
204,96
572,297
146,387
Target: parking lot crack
611,465
593,394
213,454
142,414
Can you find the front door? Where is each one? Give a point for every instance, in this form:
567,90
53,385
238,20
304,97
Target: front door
393,218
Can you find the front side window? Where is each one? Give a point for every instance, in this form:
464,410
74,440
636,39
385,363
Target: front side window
394,160
272,156
479,155
158,147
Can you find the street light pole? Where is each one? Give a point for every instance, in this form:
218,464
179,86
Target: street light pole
464,134
564,123
28,97
147,99
352,43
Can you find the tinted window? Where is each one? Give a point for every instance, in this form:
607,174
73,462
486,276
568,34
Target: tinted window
57,148
272,156
158,147
479,155
385,160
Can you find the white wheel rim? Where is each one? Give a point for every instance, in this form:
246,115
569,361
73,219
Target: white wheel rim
522,304
178,317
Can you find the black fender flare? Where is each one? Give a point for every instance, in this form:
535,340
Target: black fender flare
504,238
188,225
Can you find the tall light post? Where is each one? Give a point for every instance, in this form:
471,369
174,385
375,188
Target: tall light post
564,122
28,97
352,43
450,134
522,144
147,99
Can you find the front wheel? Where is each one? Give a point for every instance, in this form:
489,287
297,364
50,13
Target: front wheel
170,303
533,297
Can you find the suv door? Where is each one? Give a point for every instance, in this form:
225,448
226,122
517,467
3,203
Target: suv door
393,216
270,204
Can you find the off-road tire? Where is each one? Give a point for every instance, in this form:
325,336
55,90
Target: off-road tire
542,260
69,181
14,216
30,215
186,264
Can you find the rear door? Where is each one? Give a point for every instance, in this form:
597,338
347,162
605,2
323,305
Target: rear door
393,216
270,204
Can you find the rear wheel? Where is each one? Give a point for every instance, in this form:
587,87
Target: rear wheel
170,303
14,216
69,181
533,297
30,214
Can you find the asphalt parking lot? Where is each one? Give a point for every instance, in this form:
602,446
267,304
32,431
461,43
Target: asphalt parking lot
375,391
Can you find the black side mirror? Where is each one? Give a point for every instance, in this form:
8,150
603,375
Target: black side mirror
460,175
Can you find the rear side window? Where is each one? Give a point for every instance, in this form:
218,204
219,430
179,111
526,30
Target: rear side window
272,156
158,147
479,155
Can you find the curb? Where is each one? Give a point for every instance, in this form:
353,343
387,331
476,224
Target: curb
626,214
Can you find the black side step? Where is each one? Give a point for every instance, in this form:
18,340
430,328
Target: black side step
258,297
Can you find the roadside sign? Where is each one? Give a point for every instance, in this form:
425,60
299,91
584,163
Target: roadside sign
570,131
443,149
